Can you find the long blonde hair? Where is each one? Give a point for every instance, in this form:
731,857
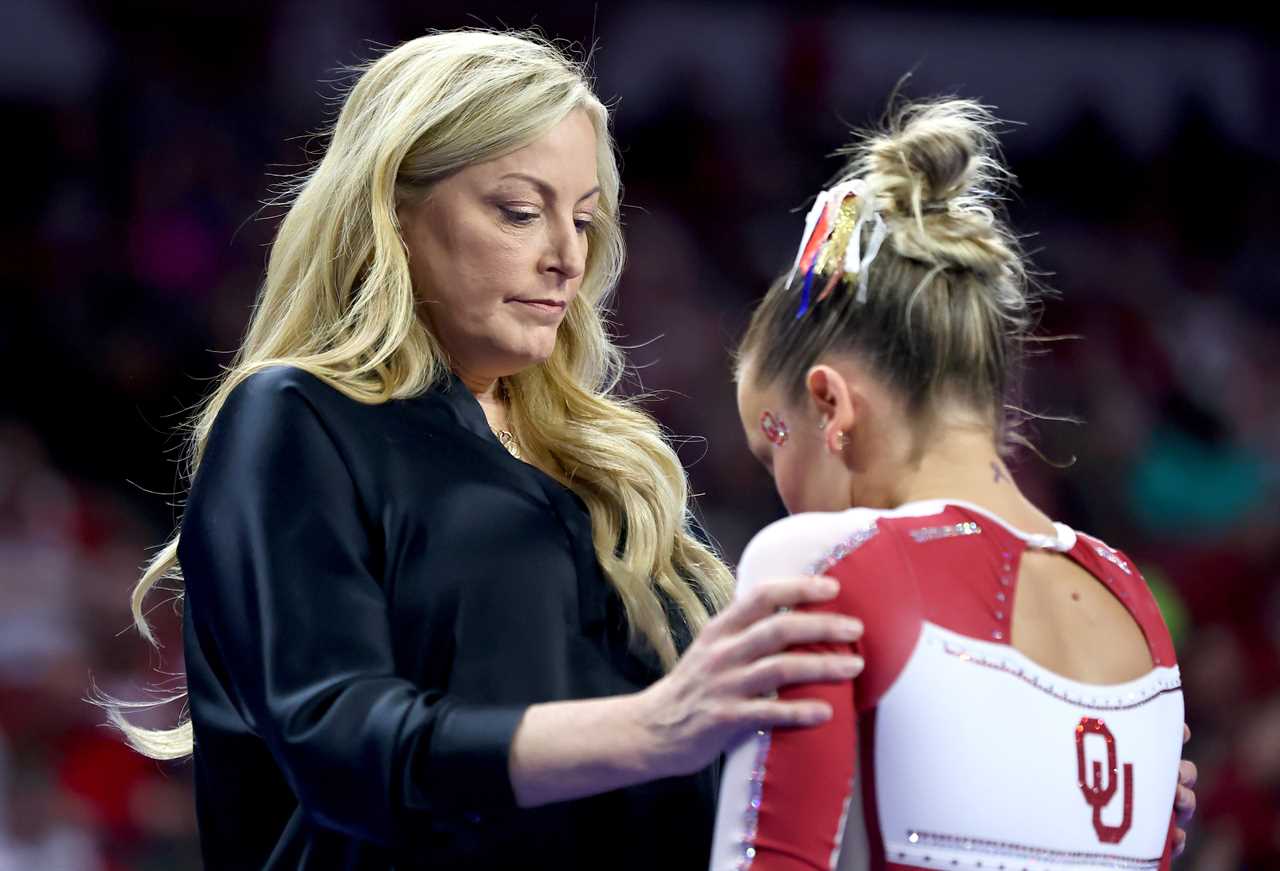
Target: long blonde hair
338,303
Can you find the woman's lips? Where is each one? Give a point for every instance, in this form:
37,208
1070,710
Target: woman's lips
548,307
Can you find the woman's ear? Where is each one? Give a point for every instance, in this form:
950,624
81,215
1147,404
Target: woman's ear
832,397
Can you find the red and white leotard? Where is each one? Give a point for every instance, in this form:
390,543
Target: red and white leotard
953,750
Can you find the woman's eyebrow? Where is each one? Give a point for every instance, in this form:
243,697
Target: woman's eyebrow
545,189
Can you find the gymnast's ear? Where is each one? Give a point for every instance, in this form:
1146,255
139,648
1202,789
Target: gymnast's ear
834,400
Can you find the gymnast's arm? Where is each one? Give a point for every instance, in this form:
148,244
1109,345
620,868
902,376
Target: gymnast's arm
785,792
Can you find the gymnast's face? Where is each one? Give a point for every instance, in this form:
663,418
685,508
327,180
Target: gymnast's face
497,250
787,438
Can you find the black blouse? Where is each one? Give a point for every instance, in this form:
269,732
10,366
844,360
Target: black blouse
374,595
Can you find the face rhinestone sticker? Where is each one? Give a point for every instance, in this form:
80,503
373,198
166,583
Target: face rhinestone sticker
774,428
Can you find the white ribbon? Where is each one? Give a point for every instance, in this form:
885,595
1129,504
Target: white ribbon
863,264
810,221
854,261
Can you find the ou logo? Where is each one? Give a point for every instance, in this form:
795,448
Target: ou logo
1095,794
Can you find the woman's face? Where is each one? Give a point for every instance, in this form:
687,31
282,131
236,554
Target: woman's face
497,250
789,440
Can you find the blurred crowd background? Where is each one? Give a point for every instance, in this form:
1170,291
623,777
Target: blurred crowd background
148,134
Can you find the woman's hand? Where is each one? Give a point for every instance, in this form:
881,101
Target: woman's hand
1185,800
718,690
722,686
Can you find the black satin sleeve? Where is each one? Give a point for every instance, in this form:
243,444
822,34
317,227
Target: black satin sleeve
282,582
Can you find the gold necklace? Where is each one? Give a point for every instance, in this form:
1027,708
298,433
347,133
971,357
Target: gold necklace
508,441
504,435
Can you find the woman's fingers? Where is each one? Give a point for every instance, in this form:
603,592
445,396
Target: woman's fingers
767,674
1184,801
780,631
766,598
1184,805
1187,773
767,713
725,684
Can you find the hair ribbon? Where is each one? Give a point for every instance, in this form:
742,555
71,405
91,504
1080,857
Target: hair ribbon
821,222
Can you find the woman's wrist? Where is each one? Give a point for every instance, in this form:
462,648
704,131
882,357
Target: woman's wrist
567,750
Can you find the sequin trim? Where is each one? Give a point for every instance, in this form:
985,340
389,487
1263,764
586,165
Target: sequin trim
933,533
1025,851
1099,702
1112,557
843,549
751,819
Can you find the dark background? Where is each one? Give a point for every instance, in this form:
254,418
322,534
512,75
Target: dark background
145,136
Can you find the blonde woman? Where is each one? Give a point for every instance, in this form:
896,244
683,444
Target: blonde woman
1021,706
438,580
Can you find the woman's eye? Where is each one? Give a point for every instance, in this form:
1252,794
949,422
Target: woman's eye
518,217
583,224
